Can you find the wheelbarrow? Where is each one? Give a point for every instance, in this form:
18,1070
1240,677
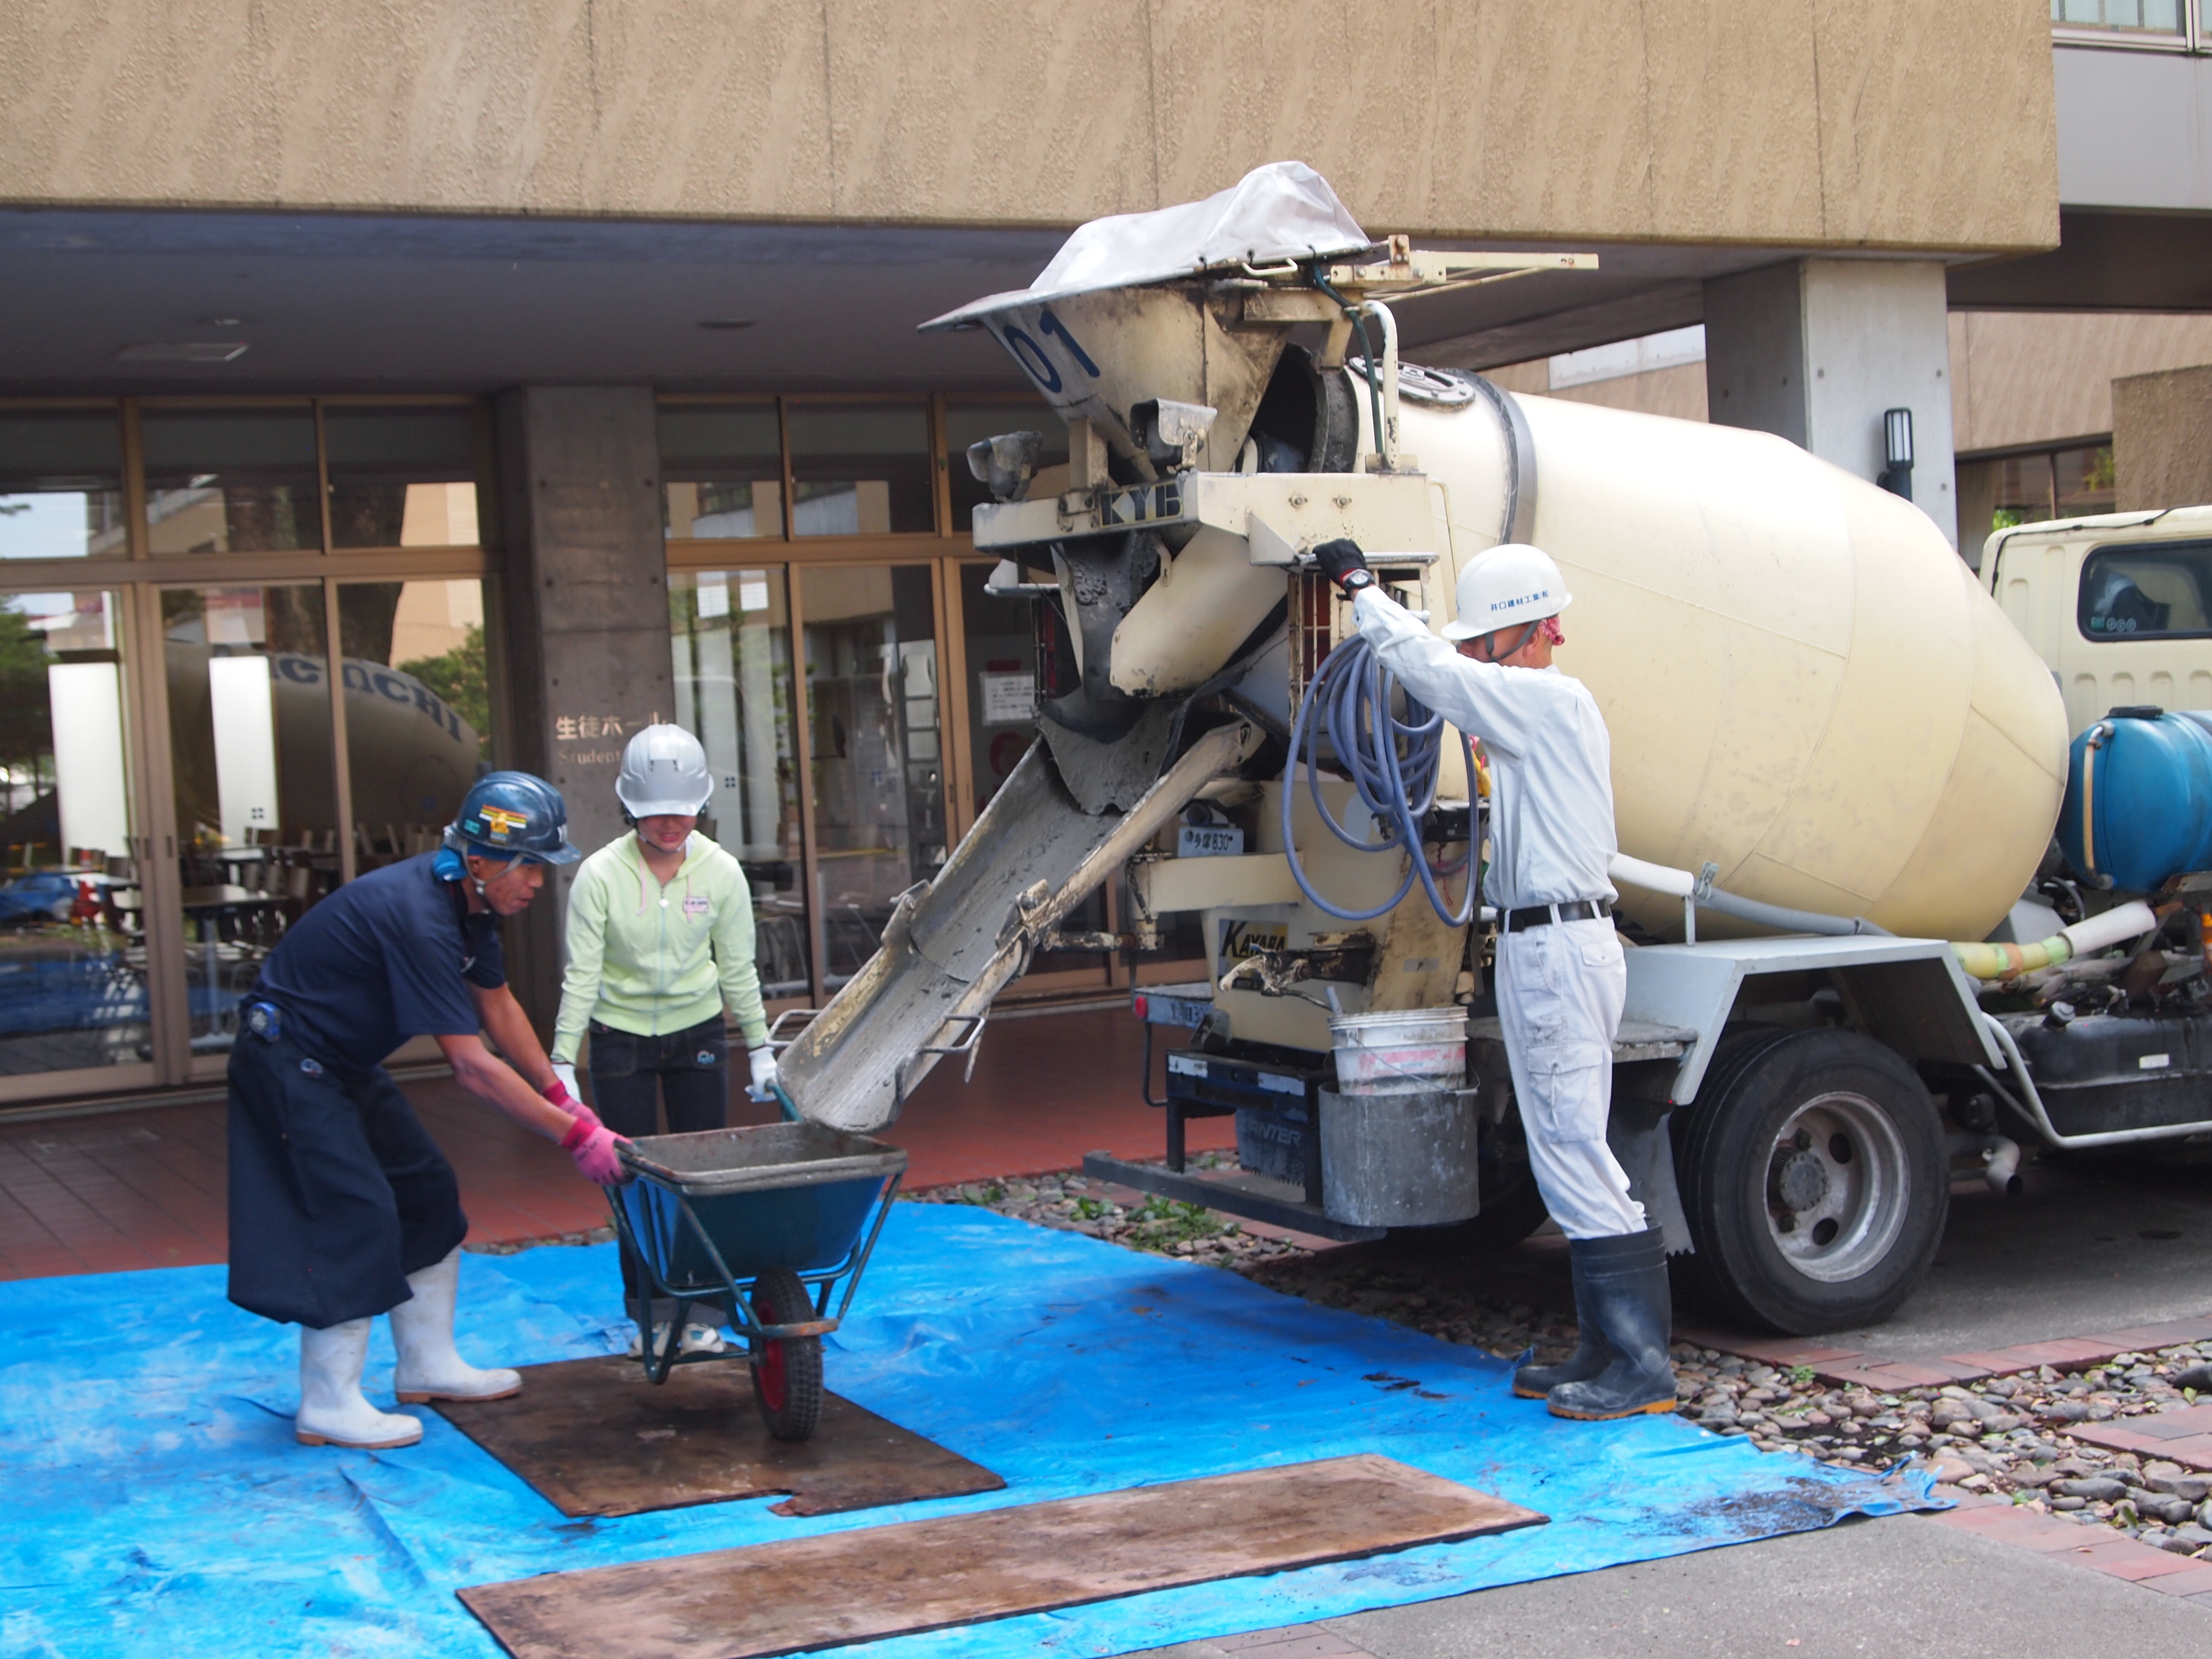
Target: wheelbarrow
770,1217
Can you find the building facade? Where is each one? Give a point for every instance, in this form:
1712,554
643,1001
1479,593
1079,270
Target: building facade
394,391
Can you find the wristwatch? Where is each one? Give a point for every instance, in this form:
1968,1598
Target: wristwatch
1355,579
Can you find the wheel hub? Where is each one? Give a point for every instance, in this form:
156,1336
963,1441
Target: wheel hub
1837,1186
768,1372
1801,1182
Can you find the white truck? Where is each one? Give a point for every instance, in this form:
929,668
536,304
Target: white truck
1836,770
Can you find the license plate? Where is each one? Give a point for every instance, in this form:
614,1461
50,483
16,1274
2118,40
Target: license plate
1209,840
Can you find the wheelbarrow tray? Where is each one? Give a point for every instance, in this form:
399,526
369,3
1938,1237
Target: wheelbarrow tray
795,1195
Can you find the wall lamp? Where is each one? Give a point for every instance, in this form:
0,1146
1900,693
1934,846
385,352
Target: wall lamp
1897,451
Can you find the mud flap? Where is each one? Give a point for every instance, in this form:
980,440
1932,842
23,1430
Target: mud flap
1636,1130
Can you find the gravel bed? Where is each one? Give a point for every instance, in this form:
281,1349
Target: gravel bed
2006,1436
1161,1226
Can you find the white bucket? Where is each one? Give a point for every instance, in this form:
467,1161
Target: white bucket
1417,1048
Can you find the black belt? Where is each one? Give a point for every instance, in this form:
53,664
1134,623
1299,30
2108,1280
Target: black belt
1543,915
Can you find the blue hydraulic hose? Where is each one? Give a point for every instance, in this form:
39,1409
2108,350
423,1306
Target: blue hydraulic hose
1350,695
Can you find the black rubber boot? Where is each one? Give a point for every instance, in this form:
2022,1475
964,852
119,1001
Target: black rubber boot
1623,1289
1591,1354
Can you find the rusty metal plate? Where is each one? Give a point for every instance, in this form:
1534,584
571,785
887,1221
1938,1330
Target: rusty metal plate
863,1585
594,1438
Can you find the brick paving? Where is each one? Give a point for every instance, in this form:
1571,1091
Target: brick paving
2028,1526
144,1188
2181,1437
1846,1366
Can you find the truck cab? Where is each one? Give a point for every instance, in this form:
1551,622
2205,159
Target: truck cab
2119,605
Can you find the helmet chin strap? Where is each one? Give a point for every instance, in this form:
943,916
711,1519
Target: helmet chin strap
1528,633
477,881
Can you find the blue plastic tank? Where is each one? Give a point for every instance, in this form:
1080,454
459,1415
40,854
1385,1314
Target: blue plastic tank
2138,806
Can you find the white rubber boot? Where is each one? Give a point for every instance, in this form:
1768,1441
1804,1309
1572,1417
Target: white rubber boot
332,1412
430,1367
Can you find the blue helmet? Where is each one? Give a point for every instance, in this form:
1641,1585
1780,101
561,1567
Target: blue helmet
510,814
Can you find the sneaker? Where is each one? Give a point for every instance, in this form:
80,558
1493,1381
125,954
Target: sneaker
659,1340
701,1338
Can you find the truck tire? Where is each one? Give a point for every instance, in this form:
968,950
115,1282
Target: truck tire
1815,1178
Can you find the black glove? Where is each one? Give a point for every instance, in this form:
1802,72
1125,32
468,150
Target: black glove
1343,563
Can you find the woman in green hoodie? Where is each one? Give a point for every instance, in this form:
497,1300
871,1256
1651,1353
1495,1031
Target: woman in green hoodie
660,941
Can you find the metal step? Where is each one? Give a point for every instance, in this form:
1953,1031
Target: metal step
1255,1198
1636,1039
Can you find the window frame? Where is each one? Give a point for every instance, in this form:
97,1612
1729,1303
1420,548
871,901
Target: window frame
895,544
139,578
2152,548
125,1077
2194,36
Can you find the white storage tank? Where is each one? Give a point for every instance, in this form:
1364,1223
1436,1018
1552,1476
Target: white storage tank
1804,684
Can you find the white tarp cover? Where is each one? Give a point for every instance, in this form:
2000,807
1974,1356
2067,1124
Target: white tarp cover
1283,210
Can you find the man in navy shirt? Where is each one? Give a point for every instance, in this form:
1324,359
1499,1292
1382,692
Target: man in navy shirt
341,1206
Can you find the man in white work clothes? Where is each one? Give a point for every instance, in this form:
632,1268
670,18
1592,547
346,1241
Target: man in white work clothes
1560,980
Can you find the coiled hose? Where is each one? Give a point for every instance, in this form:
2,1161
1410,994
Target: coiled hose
1350,697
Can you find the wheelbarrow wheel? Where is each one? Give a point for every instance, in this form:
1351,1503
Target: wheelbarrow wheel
786,1370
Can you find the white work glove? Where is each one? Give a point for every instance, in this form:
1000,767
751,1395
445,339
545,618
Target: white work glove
765,1072
567,1074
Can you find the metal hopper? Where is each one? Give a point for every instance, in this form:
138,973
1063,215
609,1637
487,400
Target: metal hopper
1144,306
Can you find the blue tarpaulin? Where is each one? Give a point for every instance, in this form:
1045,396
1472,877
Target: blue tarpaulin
157,1504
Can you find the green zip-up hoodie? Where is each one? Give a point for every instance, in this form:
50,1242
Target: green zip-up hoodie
650,959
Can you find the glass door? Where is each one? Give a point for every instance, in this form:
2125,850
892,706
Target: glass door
253,781
73,961
730,634
417,711
999,650
874,751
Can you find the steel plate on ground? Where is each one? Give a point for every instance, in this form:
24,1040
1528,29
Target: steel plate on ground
594,1438
856,1586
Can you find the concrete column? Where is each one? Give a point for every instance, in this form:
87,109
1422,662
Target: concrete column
587,620
1815,349
2162,439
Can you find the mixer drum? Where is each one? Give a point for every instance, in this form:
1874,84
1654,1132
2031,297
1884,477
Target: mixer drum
1804,684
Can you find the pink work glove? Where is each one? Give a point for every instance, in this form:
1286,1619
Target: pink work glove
591,1144
561,1094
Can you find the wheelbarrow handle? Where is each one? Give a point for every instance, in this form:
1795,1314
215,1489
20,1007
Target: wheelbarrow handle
783,1099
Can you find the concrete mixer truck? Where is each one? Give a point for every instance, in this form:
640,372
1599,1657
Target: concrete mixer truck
1837,767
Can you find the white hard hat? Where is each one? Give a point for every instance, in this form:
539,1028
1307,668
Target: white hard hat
1512,584
664,774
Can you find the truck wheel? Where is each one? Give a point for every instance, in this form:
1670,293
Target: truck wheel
1814,1172
786,1370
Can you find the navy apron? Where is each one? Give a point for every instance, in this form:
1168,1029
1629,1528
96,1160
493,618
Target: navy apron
337,1192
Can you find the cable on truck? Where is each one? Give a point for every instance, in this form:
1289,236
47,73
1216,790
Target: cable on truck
1350,697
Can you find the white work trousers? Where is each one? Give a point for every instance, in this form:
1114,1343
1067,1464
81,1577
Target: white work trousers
1560,989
